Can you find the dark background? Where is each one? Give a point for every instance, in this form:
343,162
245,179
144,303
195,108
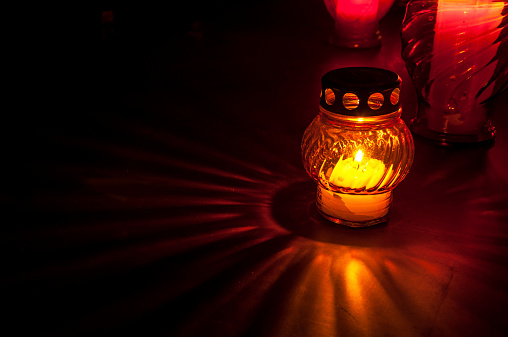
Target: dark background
152,185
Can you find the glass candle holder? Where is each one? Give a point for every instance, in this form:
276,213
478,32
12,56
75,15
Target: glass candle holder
357,22
456,52
357,149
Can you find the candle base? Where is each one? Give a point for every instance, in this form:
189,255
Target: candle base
420,127
469,125
353,210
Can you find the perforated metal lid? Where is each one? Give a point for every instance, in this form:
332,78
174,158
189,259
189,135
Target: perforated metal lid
360,91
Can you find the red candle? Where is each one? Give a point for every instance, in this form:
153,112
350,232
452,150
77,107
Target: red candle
463,46
356,21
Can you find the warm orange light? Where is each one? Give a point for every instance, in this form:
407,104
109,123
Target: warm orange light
353,173
353,275
357,154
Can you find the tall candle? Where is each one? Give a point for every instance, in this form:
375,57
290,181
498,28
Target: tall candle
465,31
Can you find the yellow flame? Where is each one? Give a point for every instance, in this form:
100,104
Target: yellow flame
359,156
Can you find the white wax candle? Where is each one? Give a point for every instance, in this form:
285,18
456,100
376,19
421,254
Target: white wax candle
360,172
353,207
357,172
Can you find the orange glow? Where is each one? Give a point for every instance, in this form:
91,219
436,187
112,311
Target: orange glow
353,174
353,270
357,278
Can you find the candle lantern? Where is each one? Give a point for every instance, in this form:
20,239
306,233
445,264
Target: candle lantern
356,22
456,52
357,148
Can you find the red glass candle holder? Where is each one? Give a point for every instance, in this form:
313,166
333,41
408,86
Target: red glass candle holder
357,22
456,52
357,148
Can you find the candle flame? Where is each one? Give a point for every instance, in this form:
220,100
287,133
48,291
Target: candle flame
359,156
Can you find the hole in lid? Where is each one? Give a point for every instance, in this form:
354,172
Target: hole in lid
329,96
350,101
394,97
375,101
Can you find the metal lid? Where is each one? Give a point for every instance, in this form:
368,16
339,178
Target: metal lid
360,91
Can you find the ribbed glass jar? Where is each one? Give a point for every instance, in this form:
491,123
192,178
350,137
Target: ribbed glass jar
357,148
456,52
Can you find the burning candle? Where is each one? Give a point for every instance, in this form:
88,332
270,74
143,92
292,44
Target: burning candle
357,172
354,173
358,148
